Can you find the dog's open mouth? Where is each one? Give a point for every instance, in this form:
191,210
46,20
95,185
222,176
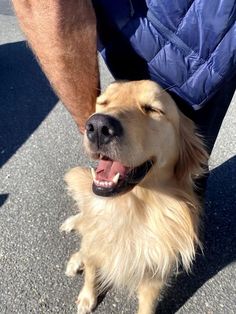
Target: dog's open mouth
112,177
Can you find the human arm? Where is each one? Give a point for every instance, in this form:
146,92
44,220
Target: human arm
62,34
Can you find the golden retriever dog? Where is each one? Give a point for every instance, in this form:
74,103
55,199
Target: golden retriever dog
138,211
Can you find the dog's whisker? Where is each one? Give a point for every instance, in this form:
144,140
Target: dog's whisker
165,89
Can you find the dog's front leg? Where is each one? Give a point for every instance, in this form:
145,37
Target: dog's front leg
87,298
71,223
148,292
75,264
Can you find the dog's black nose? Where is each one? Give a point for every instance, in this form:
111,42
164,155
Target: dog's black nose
102,128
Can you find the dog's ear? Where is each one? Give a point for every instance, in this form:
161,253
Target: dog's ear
193,156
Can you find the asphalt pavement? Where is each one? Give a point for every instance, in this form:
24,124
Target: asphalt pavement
38,143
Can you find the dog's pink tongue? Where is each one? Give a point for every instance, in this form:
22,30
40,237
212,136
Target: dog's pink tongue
107,169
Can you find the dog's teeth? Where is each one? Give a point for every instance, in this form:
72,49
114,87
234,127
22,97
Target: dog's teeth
116,178
103,183
93,173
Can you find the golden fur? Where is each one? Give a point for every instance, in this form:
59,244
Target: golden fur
135,239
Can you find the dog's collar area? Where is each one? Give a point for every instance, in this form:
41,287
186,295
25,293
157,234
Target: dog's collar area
111,178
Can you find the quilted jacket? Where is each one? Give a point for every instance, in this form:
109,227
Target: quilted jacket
187,46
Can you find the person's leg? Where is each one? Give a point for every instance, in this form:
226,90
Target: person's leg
210,117
209,120
63,36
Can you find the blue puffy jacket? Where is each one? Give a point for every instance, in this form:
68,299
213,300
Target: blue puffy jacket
188,46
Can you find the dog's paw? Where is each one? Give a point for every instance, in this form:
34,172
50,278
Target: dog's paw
86,301
74,265
69,224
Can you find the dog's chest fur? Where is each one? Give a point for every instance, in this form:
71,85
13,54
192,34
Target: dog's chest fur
126,243
132,236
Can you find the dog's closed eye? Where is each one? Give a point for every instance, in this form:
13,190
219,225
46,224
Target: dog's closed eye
102,100
148,109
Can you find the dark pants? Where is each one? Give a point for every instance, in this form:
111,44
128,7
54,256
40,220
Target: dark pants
210,117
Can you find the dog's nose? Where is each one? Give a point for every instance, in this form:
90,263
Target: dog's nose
102,129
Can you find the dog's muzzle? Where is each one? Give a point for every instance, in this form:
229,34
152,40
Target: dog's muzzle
111,177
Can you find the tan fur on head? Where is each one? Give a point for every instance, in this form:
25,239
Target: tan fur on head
135,239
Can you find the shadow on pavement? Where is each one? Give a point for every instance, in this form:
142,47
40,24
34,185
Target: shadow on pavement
219,242
26,97
6,8
3,198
